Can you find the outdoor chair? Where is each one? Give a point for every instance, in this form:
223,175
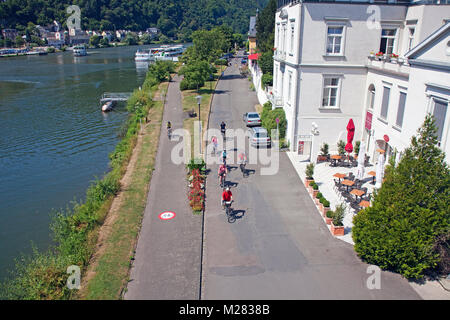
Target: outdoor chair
337,184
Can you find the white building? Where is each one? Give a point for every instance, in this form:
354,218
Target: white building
324,75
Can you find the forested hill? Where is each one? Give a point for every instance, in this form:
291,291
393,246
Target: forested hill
175,18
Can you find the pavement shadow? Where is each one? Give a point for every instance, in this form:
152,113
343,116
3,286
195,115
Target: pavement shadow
237,215
231,77
231,168
230,184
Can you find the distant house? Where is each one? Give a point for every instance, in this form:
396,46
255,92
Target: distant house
108,35
78,36
120,34
252,35
153,32
55,39
10,34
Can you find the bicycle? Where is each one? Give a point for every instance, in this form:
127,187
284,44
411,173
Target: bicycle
169,133
243,170
229,212
222,181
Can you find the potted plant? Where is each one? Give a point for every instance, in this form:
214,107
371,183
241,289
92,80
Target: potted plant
379,55
372,54
309,173
329,217
394,58
315,188
324,153
326,207
311,187
337,225
341,147
318,197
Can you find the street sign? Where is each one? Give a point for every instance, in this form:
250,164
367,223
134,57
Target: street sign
278,121
165,216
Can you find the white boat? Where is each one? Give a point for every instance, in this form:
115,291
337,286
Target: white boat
170,53
144,56
107,106
79,51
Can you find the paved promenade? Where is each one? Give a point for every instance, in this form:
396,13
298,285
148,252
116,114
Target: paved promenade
279,247
168,256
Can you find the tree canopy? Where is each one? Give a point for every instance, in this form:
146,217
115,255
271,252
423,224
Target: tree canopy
175,18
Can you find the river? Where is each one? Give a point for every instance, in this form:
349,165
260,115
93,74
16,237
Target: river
54,140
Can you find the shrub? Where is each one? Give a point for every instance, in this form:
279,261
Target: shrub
330,214
409,214
326,203
269,117
341,147
266,80
309,171
319,195
198,164
324,149
315,186
357,146
338,215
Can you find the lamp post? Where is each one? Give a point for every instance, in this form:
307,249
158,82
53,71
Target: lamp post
199,101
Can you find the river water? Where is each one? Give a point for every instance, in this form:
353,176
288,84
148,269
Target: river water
54,140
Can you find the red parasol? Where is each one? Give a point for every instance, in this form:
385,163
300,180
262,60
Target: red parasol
350,135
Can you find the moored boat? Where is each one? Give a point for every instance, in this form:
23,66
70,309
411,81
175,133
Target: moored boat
79,51
107,106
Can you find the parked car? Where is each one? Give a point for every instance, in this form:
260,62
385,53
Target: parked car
244,61
259,137
252,119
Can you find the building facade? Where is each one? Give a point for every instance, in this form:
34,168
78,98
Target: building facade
341,60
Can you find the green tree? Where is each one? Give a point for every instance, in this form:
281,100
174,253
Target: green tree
265,27
410,211
104,42
94,41
19,41
266,62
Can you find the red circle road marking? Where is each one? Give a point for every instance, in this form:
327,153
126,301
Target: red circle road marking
167,215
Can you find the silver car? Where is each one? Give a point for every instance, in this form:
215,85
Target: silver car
259,137
252,119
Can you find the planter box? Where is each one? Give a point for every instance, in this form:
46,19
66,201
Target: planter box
307,181
337,231
315,192
320,207
316,201
328,220
324,211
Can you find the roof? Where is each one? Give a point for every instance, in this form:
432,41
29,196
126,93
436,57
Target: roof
435,36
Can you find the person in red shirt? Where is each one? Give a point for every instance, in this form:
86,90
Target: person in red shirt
227,196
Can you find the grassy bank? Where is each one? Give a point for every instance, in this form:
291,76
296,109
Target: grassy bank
43,276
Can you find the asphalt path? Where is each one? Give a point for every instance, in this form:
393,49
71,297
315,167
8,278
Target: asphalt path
279,246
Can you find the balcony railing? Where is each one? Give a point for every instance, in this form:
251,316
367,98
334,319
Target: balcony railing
386,63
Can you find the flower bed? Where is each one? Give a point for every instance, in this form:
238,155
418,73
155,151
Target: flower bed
196,191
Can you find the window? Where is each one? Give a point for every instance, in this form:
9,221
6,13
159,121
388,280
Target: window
411,38
371,96
290,87
334,40
330,91
292,38
387,40
439,113
401,109
385,102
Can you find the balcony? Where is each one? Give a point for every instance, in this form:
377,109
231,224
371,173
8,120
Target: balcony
388,64
276,100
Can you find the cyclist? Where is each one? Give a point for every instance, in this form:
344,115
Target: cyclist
242,160
222,172
223,128
224,157
169,129
214,142
227,196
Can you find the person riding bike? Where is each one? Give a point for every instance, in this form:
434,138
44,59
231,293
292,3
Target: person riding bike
223,128
169,129
222,172
214,143
227,197
224,157
242,160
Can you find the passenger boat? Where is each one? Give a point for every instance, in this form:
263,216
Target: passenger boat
79,51
144,56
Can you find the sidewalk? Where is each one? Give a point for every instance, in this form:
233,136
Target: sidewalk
168,255
429,290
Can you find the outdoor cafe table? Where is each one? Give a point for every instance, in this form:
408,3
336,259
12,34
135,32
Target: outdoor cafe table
364,204
334,158
348,183
357,193
373,174
339,175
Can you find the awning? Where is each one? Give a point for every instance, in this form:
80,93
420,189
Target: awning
253,56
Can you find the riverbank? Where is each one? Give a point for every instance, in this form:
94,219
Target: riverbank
76,230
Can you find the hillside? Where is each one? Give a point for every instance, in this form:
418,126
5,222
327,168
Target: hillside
175,18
